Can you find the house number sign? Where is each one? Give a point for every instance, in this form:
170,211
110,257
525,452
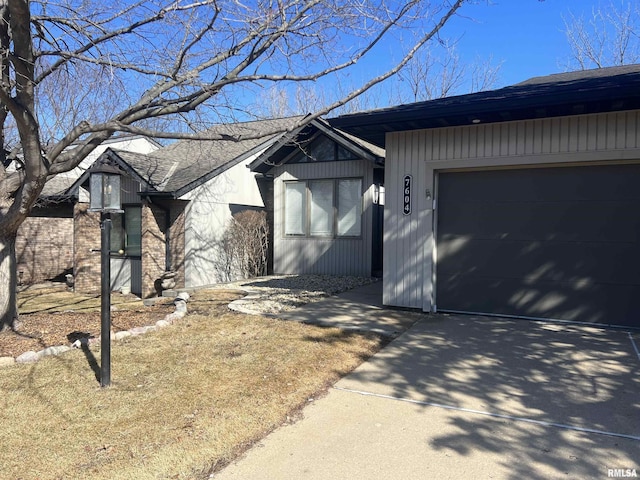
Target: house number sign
406,194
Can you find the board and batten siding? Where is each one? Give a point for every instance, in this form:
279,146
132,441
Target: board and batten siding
317,255
409,239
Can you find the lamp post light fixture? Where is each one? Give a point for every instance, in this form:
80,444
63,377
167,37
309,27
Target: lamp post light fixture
104,194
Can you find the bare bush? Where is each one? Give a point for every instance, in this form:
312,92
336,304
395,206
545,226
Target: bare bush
246,244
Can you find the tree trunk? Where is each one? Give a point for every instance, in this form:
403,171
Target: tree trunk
8,282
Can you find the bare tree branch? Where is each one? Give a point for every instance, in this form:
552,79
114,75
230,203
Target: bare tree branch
74,72
610,37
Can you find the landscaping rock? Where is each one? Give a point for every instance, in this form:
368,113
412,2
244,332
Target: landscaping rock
181,306
137,331
183,296
142,330
121,335
28,357
162,323
55,350
172,317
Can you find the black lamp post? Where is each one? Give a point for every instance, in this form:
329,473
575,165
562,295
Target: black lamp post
104,192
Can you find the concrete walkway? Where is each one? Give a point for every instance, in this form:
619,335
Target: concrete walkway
464,397
357,309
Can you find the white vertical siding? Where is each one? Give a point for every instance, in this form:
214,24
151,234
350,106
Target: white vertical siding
335,256
405,236
408,239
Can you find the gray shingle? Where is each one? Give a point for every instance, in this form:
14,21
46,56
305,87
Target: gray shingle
188,161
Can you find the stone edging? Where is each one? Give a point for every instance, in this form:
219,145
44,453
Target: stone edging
31,357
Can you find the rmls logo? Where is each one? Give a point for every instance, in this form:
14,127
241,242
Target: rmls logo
622,473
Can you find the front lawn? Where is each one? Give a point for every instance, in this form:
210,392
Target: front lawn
184,400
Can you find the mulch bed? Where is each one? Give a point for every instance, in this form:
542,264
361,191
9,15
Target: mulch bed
38,331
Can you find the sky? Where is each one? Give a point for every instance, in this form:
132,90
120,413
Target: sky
524,38
527,36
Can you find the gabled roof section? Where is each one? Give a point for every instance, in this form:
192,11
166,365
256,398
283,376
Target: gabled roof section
184,165
289,144
120,159
151,170
574,93
57,186
190,163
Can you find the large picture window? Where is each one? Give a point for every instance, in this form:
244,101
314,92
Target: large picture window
126,231
323,208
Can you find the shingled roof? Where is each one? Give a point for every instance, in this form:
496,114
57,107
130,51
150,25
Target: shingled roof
178,168
195,161
574,93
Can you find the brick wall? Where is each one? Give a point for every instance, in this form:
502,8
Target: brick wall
154,226
153,247
176,240
44,244
86,237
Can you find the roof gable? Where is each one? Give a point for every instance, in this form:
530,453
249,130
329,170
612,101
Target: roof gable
311,142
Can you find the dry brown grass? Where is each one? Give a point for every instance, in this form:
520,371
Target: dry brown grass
54,299
184,400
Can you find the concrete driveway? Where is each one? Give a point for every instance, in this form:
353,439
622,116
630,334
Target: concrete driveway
471,397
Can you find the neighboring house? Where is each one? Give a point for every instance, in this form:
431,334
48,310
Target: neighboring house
523,201
327,187
44,245
177,204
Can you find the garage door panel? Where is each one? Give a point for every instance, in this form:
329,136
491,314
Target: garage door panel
559,243
533,260
554,184
546,221
559,301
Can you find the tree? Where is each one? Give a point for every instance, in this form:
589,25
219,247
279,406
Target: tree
78,71
428,76
610,37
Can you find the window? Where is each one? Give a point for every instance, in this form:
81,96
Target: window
126,231
323,208
296,211
349,208
323,149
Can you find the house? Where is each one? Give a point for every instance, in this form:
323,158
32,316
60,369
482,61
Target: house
177,202
522,201
327,208
44,244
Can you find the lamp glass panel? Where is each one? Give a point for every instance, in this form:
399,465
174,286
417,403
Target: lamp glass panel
95,191
112,192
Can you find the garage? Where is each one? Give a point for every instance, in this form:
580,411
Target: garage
559,242
521,201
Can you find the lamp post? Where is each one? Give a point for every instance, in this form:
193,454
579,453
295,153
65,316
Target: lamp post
104,193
